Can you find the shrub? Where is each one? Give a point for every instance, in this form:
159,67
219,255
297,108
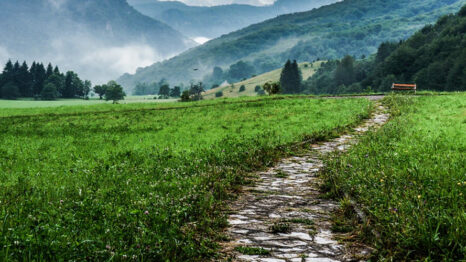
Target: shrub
242,88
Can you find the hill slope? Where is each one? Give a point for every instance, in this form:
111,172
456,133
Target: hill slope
434,58
211,22
354,27
98,39
307,70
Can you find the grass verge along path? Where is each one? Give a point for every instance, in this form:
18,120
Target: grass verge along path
410,177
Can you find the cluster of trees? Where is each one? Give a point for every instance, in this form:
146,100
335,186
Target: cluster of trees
194,93
161,88
110,91
39,82
434,58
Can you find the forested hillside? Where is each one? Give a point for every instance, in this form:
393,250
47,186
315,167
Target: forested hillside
355,27
99,39
212,22
434,58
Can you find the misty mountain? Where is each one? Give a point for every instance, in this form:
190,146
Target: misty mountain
211,22
355,27
99,39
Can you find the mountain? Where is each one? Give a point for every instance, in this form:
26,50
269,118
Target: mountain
210,22
434,58
99,39
355,27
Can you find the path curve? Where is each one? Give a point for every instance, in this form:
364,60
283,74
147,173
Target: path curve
284,215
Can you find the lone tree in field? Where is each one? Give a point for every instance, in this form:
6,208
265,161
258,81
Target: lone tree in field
290,78
114,92
242,88
100,90
272,88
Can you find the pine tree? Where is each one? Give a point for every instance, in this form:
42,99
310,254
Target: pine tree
290,78
38,78
49,71
285,81
24,80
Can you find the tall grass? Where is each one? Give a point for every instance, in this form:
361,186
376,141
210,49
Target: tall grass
410,176
137,183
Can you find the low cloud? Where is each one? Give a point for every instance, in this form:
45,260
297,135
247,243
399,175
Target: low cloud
225,2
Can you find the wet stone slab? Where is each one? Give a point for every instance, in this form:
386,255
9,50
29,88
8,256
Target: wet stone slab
288,195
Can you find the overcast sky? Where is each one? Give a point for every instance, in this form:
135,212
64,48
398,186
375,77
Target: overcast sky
223,2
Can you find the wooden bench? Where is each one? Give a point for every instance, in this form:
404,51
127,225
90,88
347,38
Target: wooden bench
404,87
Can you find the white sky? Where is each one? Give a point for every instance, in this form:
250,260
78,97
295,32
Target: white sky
223,2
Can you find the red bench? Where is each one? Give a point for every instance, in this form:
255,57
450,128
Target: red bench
410,87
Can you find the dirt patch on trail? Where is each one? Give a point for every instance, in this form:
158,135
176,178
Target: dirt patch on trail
283,217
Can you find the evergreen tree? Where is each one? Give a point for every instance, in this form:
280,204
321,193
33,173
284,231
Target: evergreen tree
38,78
7,74
56,70
290,78
73,85
24,80
49,71
344,75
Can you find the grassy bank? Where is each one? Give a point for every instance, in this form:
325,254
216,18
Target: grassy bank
140,183
410,177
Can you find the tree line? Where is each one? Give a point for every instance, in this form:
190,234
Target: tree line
19,80
161,88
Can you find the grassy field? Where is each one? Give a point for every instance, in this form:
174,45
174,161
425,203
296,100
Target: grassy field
141,181
307,70
31,103
410,177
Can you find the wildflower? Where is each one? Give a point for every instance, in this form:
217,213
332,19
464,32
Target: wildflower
61,201
381,180
108,247
146,212
419,196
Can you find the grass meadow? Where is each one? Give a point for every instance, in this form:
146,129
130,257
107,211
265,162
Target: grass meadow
410,177
142,181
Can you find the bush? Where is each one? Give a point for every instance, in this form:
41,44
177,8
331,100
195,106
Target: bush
49,92
242,88
185,96
219,94
257,89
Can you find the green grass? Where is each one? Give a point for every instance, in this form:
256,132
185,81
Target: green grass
251,251
410,177
307,70
142,181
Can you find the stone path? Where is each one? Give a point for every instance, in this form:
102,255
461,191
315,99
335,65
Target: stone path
283,215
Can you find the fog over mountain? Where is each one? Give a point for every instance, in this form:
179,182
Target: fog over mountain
98,39
202,23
